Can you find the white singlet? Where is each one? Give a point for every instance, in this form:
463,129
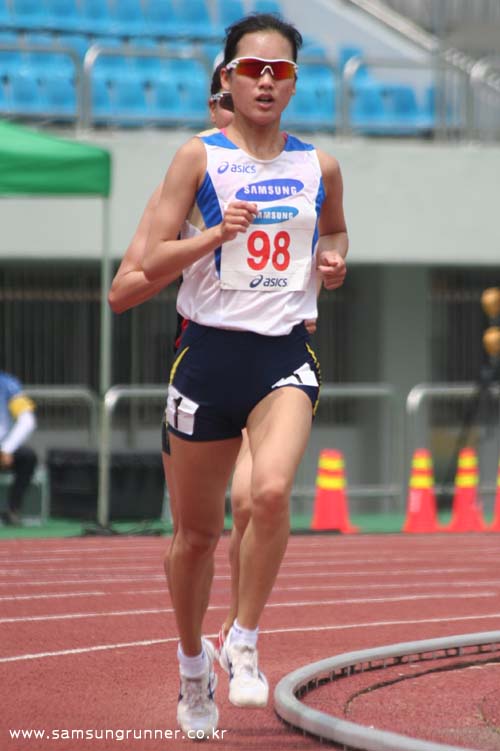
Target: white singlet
265,279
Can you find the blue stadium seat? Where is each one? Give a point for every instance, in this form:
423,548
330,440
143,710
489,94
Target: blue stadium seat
51,59
4,100
60,94
367,110
194,100
105,65
166,100
409,118
28,14
312,49
96,18
145,68
193,19
229,11
127,18
306,111
78,42
129,100
26,94
63,15
10,60
267,6
5,18
102,108
160,18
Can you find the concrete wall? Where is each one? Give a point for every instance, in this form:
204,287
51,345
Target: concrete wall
406,202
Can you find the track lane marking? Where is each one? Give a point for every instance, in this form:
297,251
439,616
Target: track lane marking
297,604
272,631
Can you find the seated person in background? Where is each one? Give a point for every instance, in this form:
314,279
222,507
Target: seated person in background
17,422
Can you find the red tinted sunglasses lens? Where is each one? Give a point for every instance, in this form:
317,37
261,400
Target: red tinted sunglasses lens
280,69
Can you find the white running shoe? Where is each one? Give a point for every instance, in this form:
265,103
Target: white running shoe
196,711
248,687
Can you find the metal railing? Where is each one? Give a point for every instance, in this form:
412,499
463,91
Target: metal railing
97,51
329,392
69,395
50,49
418,426
439,121
112,398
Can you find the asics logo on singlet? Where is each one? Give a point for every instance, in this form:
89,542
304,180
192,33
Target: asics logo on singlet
275,215
248,169
270,190
268,281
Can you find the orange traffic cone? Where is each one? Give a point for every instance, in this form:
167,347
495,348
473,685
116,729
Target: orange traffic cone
330,503
466,508
421,515
495,525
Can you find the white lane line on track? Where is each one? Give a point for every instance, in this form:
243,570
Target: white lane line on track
271,631
298,604
90,566
299,588
51,595
289,575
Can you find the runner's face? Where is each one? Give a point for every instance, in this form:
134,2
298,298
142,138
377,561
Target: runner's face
261,99
219,116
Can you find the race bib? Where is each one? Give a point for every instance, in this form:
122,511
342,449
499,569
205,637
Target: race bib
267,259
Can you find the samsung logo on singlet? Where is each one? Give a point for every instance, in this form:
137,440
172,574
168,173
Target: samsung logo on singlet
275,215
247,169
270,190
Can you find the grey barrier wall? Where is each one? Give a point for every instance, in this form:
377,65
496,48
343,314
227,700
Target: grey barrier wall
378,431
374,427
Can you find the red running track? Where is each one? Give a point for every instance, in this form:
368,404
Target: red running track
88,638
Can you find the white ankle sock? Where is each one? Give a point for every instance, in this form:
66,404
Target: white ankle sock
192,667
241,635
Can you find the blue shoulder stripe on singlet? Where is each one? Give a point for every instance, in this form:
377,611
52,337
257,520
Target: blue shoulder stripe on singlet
295,144
320,197
209,207
218,139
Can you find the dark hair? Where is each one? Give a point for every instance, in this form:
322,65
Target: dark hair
215,85
260,22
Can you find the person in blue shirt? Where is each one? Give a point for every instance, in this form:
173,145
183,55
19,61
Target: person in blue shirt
17,422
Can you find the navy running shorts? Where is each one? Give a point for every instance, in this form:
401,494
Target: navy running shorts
219,376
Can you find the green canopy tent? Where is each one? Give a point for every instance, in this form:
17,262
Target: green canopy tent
36,164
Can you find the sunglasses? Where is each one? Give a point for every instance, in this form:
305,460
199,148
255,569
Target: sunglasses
224,99
255,67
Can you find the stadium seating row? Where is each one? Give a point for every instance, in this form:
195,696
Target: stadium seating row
44,83
176,18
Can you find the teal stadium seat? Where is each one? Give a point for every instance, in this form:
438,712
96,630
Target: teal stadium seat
4,99
50,60
102,109
26,94
267,6
194,102
63,15
5,17
160,19
166,102
96,18
60,95
28,14
10,60
127,18
193,19
228,11
146,68
129,100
